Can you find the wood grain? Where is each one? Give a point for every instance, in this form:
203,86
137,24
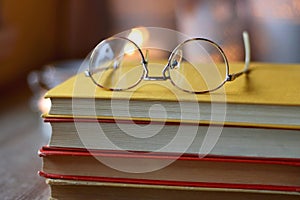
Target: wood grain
22,134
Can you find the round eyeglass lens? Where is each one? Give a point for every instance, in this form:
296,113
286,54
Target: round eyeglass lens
198,65
116,64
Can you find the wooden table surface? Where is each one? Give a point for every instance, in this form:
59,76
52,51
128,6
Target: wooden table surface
22,134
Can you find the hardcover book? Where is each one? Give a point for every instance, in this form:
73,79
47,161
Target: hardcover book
70,189
170,169
267,96
137,135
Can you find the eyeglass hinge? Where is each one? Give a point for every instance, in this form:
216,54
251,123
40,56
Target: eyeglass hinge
229,77
87,73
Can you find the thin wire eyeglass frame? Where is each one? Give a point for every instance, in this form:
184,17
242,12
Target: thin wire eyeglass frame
145,75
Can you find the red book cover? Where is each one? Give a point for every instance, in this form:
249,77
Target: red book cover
286,171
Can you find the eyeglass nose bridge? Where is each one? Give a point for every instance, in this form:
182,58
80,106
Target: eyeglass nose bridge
155,78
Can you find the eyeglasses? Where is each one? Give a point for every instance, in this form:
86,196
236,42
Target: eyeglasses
197,65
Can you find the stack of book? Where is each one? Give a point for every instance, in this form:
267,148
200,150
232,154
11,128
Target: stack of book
138,145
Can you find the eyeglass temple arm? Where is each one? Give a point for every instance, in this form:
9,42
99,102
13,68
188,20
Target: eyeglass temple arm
247,57
89,73
115,66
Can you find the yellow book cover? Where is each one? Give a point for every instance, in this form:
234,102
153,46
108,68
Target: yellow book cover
268,95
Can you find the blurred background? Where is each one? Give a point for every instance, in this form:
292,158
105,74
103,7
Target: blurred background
43,42
36,33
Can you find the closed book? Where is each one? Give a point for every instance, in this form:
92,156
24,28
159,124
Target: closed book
70,189
173,137
266,96
278,174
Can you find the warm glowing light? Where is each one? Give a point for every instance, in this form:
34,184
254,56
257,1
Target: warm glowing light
44,105
138,36
129,49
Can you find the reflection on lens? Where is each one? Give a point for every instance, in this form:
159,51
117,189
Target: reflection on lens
116,64
197,66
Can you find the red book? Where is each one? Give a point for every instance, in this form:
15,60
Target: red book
277,174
